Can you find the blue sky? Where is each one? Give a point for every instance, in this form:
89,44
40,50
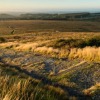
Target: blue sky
48,5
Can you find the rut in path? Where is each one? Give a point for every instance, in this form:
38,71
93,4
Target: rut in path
70,68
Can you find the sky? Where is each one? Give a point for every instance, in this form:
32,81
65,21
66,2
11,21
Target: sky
48,5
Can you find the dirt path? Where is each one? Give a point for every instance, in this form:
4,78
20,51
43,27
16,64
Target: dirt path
39,63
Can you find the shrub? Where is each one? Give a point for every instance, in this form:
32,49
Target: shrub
2,39
63,42
16,37
95,41
80,43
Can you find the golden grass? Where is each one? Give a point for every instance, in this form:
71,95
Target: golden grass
55,89
92,89
46,50
87,53
9,44
23,89
10,89
27,47
34,47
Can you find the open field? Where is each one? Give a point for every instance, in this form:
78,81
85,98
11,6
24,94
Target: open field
27,26
49,60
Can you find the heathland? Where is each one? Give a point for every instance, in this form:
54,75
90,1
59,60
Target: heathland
49,60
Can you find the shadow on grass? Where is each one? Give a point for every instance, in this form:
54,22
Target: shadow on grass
47,81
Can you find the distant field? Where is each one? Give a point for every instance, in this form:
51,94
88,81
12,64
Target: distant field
27,26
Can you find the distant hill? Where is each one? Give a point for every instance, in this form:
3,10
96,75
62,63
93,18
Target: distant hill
68,16
6,16
45,16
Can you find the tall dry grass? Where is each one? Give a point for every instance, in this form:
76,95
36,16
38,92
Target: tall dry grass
93,91
12,88
87,53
